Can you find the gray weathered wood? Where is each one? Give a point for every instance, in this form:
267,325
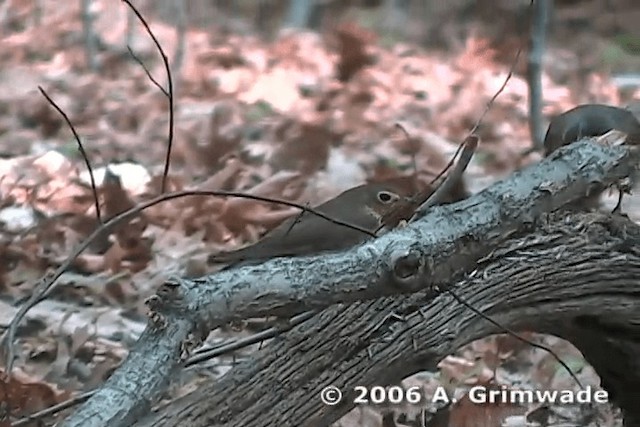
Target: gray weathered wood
435,250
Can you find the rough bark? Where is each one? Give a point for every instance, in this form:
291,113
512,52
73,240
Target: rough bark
434,251
576,277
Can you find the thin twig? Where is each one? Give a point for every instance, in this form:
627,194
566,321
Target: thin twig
165,60
83,153
486,110
146,70
470,145
199,357
54,409
253,339
46,284
493,98
516,335
414,164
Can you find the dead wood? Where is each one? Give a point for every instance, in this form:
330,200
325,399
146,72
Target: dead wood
576,277
382,340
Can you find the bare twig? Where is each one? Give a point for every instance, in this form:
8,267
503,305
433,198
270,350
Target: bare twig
46,284
165,60
83,153
473,130
489,104
199,357
470,145
253,339
414,165
498,92
53,409
516,335
146,70
487,108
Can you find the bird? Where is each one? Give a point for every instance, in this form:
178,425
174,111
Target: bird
588,120
307,233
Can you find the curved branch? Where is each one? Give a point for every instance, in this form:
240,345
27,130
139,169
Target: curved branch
570,279
430,252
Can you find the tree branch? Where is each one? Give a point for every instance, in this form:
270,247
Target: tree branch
576,277
433,251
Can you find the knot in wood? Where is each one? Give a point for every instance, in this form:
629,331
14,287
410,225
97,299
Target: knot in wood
168,291
157,320
407,265
168,299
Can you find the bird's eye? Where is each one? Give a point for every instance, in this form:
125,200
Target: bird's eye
385,196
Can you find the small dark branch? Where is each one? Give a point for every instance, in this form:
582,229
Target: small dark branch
537,42
198,357
146,70
53,409
201,356
167,68
434,200
46,283
517,336
499,91
83,153
470,145
484,113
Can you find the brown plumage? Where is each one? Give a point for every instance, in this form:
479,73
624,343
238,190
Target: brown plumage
307,233
585,121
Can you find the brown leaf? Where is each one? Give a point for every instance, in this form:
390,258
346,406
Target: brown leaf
353,41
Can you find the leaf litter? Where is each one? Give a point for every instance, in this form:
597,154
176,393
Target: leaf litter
301,118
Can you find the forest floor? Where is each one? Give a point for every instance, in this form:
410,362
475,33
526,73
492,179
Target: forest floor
298,118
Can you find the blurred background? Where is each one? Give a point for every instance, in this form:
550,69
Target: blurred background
297,99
